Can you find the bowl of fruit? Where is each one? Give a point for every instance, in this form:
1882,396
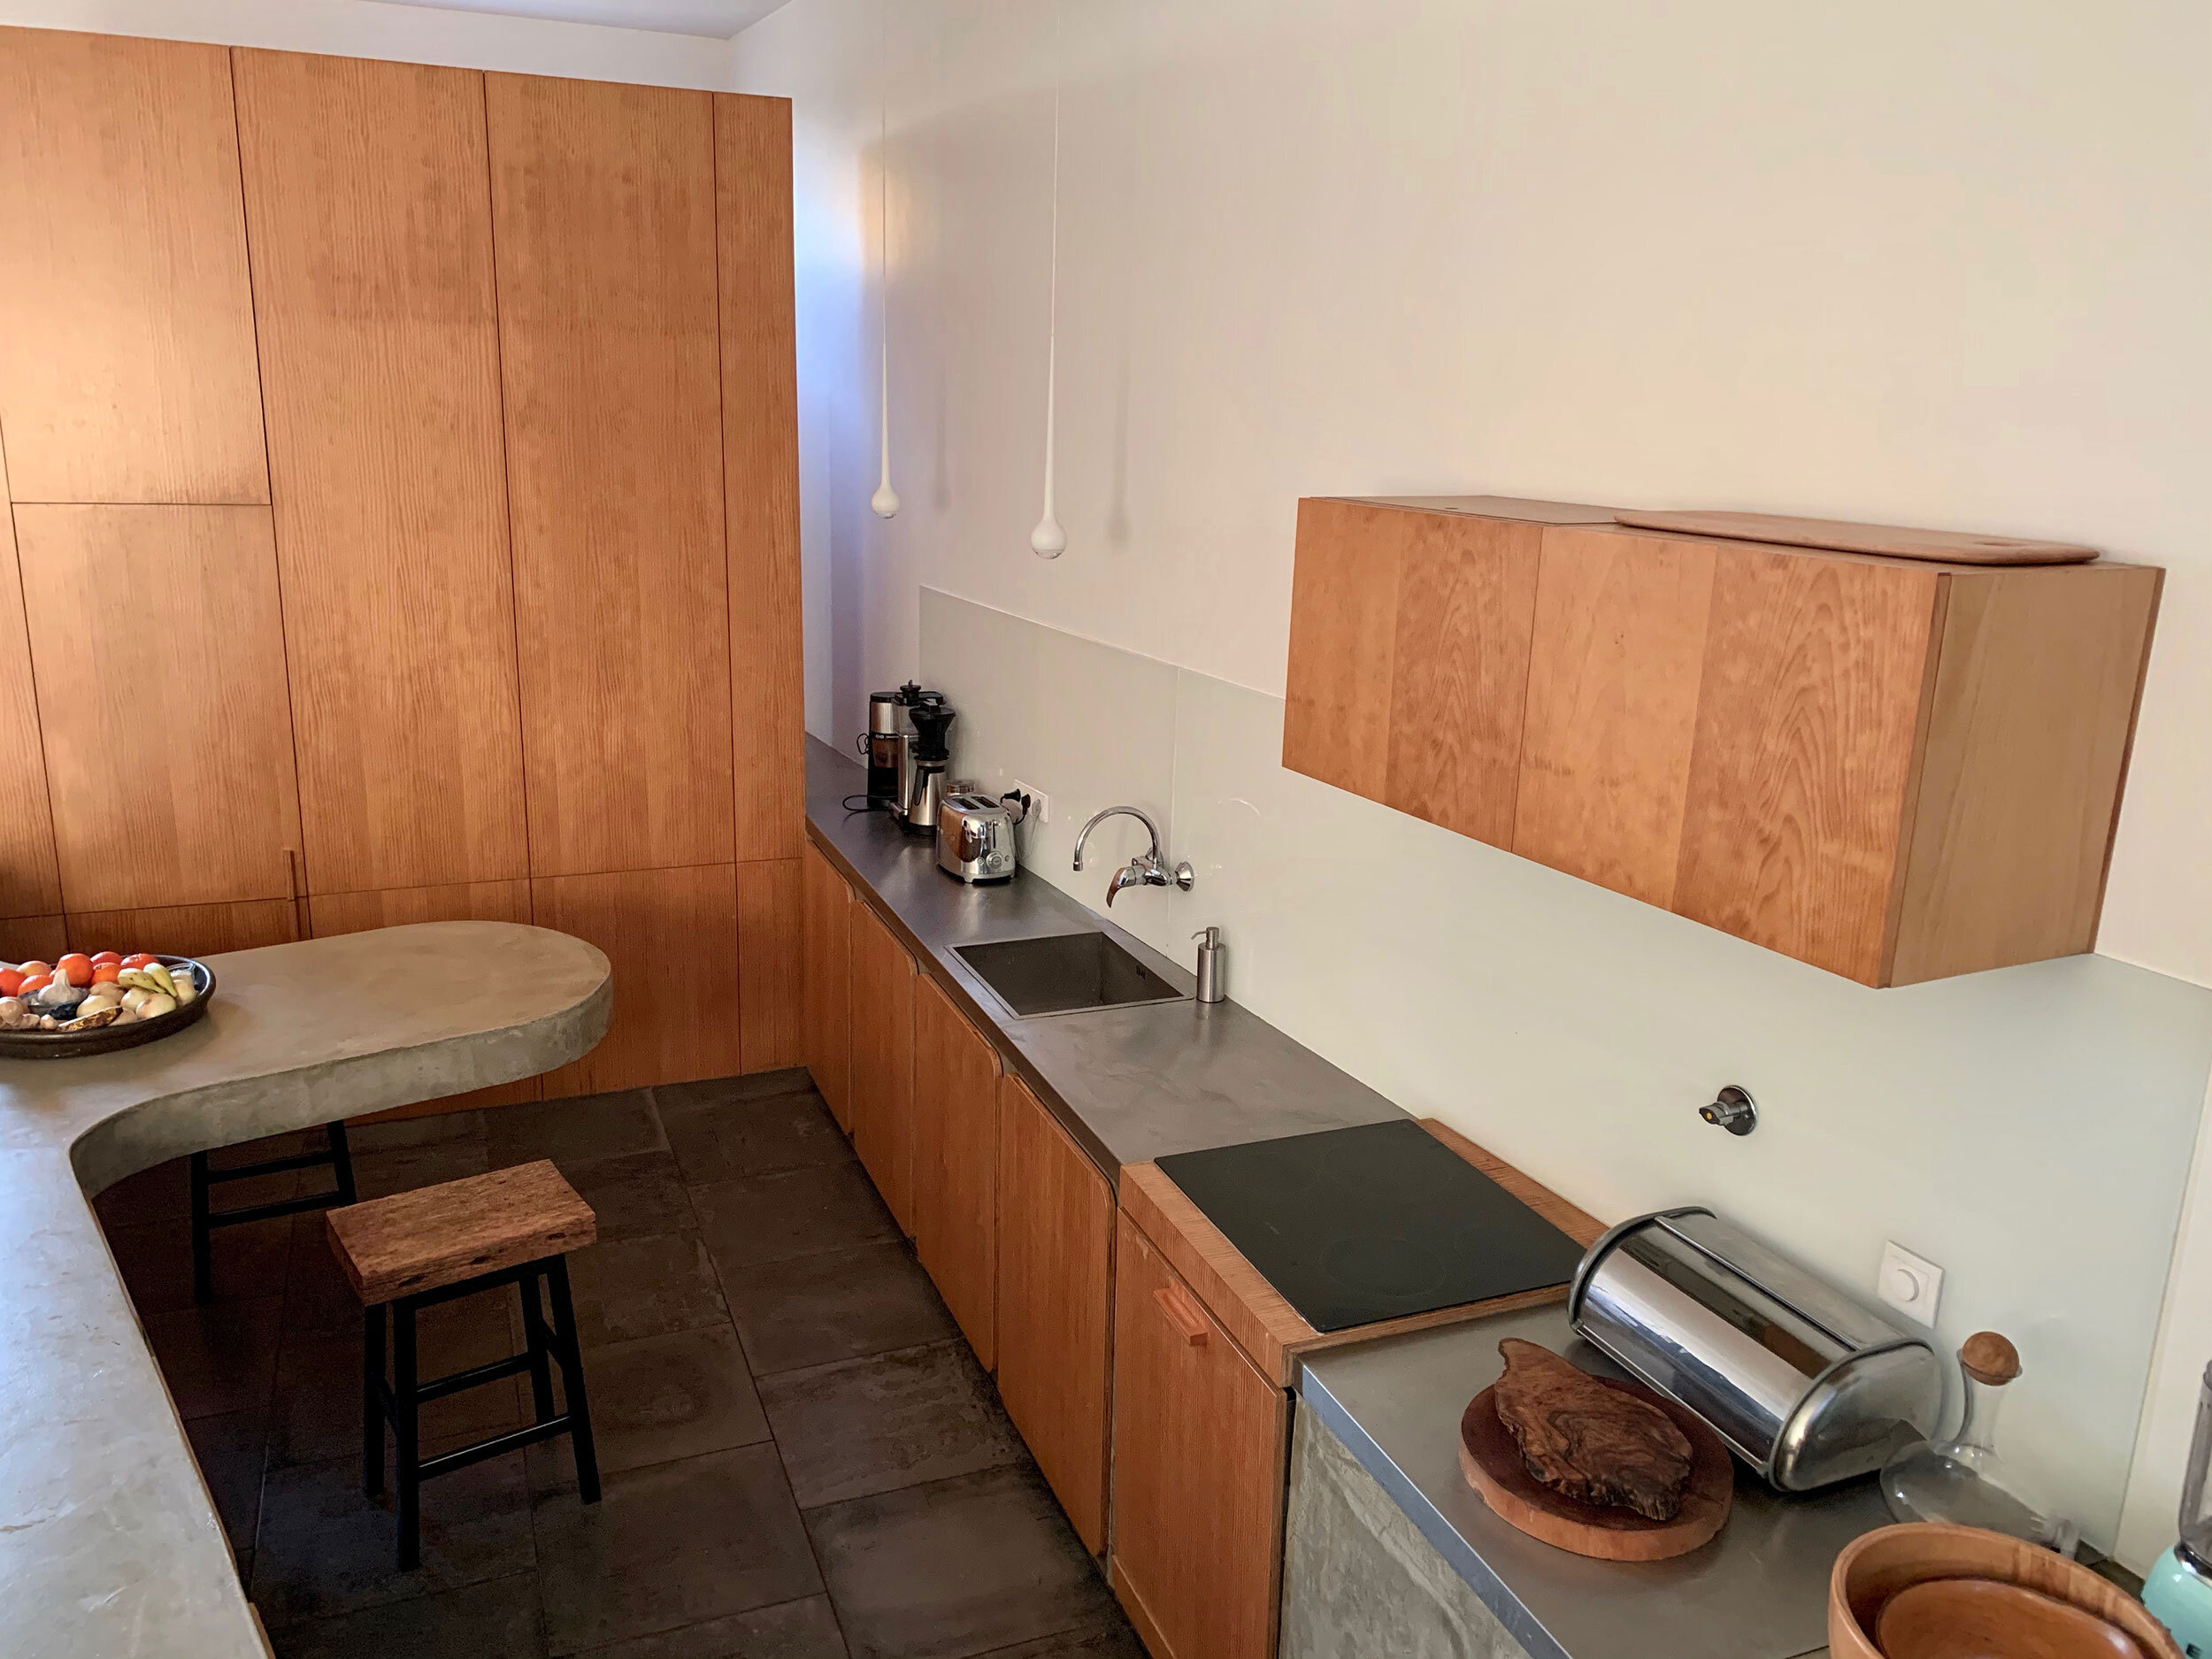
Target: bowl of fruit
93,1004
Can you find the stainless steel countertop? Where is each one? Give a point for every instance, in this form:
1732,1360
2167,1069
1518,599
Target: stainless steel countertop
1759,1591
1130,1083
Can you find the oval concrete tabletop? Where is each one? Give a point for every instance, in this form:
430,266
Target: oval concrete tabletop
109,1543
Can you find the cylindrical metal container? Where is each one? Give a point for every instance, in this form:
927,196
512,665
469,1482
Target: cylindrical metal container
1805,1385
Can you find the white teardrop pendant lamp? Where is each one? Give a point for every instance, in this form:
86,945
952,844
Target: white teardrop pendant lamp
1049,541
884,502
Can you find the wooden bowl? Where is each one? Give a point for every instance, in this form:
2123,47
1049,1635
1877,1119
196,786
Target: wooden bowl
1980,1618
70,1045
1885,1562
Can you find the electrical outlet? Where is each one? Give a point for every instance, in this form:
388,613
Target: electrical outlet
1040,803
1910,1284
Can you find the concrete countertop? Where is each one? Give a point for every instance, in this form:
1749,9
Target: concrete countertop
1131,1084
109,1543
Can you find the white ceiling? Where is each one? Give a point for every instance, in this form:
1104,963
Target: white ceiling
720,18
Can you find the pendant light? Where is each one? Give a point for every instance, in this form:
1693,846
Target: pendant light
1049,541
884,502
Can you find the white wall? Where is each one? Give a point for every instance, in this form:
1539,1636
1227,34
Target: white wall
1938,266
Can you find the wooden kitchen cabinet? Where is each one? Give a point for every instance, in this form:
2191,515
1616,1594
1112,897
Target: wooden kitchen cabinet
882,1087
1200,1441
1892,769
1055,1256
187,930
771,987
956,1165
30,881
827,904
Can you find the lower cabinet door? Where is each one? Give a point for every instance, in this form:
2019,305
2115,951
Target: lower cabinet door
883,1082
826,921
1055,1250
956,1165
1201,1443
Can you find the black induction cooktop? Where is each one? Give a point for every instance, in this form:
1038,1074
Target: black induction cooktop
1378,1221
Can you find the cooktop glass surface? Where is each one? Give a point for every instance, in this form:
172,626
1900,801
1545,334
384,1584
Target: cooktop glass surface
1378,1221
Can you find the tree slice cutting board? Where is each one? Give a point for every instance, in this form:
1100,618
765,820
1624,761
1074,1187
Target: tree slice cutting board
1492,1463
1890,541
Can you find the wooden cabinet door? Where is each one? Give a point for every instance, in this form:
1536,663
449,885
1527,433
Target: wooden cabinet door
1200,1449
128,374
603,206
883,1062
828,923
956,1165
187,930
367,192
771,987
1055,1252
159,650
30,881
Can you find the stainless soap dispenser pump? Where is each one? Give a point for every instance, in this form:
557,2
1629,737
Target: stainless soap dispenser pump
1211,965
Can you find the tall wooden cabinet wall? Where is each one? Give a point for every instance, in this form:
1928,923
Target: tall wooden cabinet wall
404,485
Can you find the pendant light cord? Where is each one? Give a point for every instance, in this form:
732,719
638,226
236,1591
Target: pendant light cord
884,502
1048,540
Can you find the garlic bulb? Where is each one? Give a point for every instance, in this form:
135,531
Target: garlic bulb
157,1005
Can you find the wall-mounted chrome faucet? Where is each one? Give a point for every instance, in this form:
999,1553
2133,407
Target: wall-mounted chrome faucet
1144,870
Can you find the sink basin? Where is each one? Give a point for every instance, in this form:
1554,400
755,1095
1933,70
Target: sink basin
1065,973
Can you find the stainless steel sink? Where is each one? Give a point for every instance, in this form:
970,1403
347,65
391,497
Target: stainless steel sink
1065,973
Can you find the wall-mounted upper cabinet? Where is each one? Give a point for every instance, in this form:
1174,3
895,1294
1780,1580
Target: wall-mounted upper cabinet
603,211
1895,770
126,343
368,194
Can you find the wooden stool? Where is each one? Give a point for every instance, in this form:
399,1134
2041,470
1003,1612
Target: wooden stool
435,1244
338,1156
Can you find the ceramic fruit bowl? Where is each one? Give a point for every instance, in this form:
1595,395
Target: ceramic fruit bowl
31,1044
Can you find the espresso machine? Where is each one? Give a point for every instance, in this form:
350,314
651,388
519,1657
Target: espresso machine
923,763
884,743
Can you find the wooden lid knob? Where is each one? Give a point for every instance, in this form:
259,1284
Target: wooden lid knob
1989,1358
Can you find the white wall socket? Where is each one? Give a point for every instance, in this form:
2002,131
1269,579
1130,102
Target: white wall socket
1910,1284
1040,803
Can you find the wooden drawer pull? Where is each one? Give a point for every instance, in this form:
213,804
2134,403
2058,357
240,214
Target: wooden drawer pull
1187,1320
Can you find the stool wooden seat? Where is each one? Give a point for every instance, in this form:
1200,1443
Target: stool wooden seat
415,1249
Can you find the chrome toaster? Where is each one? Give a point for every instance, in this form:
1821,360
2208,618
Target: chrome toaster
1805,1385
975,838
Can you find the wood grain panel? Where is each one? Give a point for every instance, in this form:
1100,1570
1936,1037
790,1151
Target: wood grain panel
771,973
603,210
882,1095
24,937
1815,674
1056,1219
828,923
671,937
187,930
367,192
127,373
2037,678
956,1165
1614,669
30,881
1199,1440
760,452
1343,632
159,651
1459,671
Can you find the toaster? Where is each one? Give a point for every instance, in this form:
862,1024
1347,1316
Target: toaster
1805,1385
975,838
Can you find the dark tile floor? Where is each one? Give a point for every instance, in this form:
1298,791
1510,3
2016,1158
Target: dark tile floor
800,1456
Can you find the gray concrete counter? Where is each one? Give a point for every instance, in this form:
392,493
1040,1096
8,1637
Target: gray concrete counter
109,1544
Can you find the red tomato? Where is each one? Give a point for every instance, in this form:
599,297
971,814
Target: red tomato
76,967
139,959
105,959
11,982
36,982
103,974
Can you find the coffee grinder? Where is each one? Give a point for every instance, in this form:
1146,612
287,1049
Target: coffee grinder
922,780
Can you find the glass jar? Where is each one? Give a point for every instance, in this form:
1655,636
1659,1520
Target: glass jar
1962,1480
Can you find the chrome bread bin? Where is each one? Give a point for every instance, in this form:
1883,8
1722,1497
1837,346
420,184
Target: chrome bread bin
1805,1385
975,838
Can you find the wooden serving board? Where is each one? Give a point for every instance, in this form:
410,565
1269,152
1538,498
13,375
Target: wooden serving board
1492,1463
1948,547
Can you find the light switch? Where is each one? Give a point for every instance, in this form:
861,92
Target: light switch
1910,1284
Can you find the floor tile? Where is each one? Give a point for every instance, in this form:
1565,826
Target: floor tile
485,1621
635,1196
415,1132
403,1169
231,1450
217,1359
582,1130
325,1549
794,1213
1115,1640
659,1398
843,1304
156,1261
792,1079
637,1287
670,1546
723,1132
793,1630
955,1569
869,1425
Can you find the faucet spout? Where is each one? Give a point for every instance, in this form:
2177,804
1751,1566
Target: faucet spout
1146,870
1100,817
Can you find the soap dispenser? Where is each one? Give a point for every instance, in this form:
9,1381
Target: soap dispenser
1211,965
2178,1589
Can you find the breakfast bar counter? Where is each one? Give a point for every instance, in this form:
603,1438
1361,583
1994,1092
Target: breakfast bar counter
109,1544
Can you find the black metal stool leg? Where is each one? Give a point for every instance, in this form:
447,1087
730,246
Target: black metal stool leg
373,1400
405,1382
540,1347
202,1239
342,1163
572,1380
